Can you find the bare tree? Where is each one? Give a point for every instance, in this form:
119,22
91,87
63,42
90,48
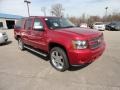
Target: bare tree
43,9
75,20
57,10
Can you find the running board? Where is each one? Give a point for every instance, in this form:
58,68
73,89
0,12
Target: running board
45,55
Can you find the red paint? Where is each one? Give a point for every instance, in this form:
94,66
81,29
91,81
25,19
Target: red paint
64,37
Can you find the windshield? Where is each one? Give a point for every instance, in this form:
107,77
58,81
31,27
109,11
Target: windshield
57,23
98,23
115,23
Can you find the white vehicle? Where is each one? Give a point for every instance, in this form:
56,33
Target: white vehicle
3,37
99,26
83,25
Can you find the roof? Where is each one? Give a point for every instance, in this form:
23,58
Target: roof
9,16
43,16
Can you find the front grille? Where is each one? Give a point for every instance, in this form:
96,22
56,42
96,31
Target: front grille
3,33
96,42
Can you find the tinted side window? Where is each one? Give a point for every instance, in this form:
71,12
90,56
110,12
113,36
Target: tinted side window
28,24
98,23
19,23
113,23
118,23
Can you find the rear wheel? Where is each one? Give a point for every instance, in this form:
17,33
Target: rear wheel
58,59
20,44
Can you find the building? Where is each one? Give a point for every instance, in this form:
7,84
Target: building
7,21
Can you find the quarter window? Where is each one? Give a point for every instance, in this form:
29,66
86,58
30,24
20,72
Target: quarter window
28,24
19,24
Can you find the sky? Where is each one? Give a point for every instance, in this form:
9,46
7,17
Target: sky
71,7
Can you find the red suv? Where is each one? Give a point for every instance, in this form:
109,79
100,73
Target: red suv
56,37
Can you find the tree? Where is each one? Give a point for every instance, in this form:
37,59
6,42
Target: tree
75,20
57,10
43,9
83,18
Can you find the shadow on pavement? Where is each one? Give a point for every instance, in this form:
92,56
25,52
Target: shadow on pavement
40,56
7,43
72,68
75,68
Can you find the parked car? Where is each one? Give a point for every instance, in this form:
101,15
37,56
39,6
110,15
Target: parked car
99,26
56,37
83,25
3,37
114,26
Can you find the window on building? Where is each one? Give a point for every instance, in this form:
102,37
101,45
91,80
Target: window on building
1,24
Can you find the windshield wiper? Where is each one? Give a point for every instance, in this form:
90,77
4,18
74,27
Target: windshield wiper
61,27
69,26
55,27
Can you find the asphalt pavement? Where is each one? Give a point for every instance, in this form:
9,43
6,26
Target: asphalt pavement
24,70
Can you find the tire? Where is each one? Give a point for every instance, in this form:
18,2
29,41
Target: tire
58,59
109,29
20,44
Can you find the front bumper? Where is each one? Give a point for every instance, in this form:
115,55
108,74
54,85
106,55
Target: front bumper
101,28
80,57
3,39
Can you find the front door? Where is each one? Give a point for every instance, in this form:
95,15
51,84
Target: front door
38,35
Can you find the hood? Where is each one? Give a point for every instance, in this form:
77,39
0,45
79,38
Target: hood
85,32
2,32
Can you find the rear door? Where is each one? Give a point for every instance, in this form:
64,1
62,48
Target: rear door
27,31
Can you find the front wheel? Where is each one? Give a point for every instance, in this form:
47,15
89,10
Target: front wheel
20,44
58,59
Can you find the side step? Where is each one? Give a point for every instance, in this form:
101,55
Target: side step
40,53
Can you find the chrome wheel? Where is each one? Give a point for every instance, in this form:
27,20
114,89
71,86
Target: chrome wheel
57,60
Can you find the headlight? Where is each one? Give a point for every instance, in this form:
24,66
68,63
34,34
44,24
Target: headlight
113,26
0,34
79,44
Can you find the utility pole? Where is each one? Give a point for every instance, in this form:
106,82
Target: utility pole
52,12
27,2
43,9
106,8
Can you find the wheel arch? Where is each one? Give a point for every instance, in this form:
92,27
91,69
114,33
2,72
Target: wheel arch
53,44
17,37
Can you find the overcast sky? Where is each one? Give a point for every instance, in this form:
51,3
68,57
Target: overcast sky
72,7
